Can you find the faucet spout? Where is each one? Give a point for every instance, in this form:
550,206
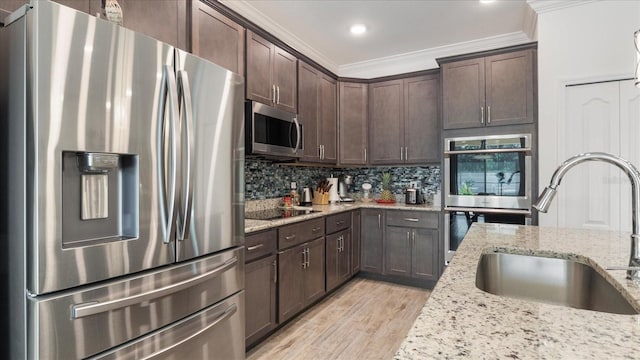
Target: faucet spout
544,201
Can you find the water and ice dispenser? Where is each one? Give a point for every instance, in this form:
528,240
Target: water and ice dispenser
99,197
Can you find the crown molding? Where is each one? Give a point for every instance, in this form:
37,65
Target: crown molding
260,19
426,59
543,6
530,23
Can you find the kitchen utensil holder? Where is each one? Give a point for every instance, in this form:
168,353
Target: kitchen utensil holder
320,198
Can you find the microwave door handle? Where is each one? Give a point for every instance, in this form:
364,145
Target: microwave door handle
167,203
183,82
298,132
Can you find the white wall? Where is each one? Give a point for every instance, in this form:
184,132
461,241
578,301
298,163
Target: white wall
578,44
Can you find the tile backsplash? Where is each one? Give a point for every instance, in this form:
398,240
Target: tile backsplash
265,179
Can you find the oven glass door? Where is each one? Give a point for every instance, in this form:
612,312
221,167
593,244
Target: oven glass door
492,172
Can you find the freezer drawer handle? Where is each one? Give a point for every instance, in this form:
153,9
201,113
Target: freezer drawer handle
96,307
223,316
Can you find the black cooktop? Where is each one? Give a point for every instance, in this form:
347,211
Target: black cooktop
277,213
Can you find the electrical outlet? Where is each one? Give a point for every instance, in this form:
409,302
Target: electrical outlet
413,184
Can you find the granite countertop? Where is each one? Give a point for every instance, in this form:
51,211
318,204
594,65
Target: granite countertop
324,210
461,321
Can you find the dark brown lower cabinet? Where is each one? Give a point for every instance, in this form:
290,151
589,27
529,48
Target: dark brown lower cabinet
411,252
371,240
397,251
355,242
338,258
260,297
301,277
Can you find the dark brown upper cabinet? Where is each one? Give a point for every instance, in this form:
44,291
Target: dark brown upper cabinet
317,100
352,124
403,120
165,20
271,74
217,38
489,91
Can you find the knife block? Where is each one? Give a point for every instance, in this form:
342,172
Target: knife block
320,198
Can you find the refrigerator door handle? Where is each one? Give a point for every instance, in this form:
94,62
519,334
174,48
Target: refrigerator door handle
167,205
223,316
96,307
186,127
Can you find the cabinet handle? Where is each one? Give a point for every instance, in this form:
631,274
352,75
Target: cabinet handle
275,271
304,258
365,155
341,242
278,92
323,152
273,87
401,153
251,248
290,237
411,219
413,237
488,114
320,151
481,114
341,222
308,258
406,153
316,229
379,222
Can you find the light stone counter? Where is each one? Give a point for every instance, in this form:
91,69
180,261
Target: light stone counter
461,321
324,210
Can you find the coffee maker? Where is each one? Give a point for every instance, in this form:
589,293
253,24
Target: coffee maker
413,195
343,188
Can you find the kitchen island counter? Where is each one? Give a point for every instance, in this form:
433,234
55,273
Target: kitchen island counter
324,210
462,321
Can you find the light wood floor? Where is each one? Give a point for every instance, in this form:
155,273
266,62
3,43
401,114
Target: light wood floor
365,319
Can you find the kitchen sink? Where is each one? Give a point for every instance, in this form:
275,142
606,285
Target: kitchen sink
550,280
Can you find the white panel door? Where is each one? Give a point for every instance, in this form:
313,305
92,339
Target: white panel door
629,143
589,196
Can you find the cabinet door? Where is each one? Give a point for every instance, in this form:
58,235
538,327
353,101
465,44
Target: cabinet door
259,81
424,259
142,16
332,257
308,99
386,122
421,114
352,123
355,242
344,258
509,88
328,114
217,38
371,240
291,282
285,78
260,294
314,286
397,251
463,94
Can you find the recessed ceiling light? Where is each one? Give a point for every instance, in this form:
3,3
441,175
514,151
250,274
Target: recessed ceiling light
486,1
358,29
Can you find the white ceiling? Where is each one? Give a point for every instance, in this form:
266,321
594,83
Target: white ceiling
402,36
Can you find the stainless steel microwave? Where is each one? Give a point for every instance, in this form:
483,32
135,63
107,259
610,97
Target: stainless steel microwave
271,132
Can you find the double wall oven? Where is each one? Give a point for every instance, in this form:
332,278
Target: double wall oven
486,179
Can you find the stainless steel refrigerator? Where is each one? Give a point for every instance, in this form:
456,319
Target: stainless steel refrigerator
122,191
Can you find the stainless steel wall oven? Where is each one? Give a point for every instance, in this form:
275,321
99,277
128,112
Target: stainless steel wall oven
486,179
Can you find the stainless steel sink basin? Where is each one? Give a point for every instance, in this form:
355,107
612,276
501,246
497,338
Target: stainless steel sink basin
549,280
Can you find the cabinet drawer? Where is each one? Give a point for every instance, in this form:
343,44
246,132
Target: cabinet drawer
298,233
415,219
260,244
338,222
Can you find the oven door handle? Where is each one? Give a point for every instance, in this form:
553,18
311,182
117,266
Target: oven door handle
486,151
488,210
96,307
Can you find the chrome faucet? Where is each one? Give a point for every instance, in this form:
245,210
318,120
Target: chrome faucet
543,202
